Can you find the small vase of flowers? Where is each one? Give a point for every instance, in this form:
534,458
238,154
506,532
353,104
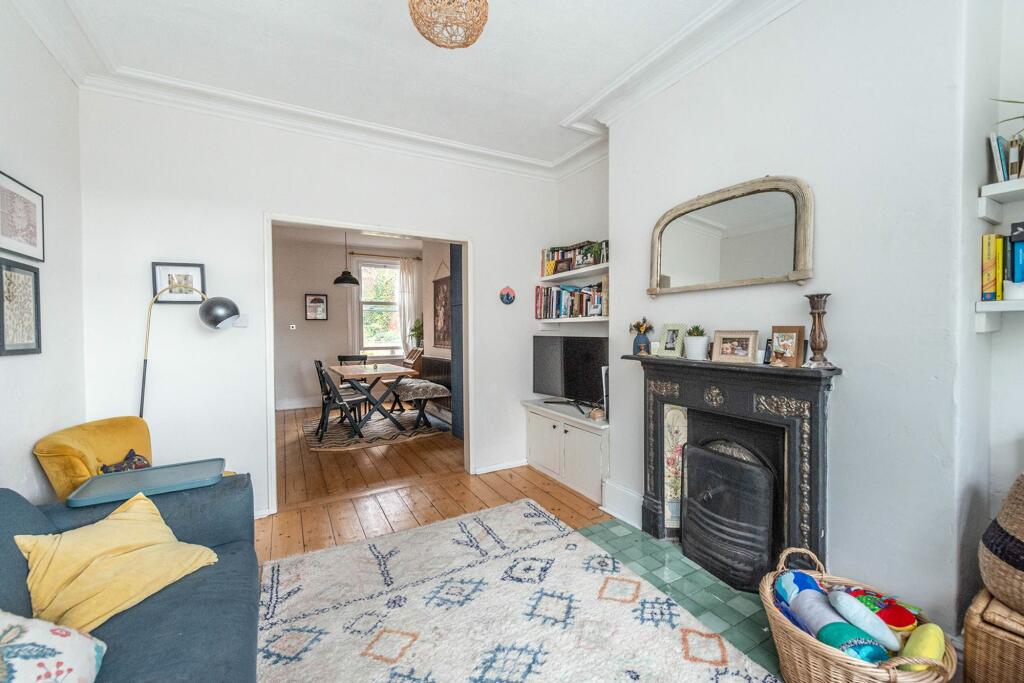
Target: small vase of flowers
641,344
695,343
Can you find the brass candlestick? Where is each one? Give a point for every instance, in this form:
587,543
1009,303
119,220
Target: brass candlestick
819,339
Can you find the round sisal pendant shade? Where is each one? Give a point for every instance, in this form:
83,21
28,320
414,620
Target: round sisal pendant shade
449,23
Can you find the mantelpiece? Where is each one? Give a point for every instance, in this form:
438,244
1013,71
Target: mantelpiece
791,399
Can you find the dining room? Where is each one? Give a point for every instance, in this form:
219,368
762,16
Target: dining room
367,376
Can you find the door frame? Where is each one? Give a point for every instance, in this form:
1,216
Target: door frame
468,355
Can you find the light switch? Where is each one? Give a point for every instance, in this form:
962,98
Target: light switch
291,327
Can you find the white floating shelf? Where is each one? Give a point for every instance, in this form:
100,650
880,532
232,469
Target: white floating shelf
988,315
582,319
1004,193
577,273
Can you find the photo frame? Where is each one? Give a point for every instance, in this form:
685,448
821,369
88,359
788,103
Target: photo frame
186,274
735,346
787,346
316,307
671,340
563,265
22,224
443,313
20,320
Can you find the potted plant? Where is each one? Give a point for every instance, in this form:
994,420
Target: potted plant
695,343
416,332
641,344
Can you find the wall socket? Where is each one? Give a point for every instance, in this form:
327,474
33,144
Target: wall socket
291,327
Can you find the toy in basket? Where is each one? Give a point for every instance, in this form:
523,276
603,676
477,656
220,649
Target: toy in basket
829,629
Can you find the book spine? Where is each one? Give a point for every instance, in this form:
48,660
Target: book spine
988,267
1007,259
1014,163
1000,251
1018,262
1003,166
997,161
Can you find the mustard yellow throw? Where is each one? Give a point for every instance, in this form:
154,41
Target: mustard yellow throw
84,576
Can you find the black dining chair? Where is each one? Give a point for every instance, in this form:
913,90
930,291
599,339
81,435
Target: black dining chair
350,403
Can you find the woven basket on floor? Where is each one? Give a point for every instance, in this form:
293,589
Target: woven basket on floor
999,552
993,642
803,659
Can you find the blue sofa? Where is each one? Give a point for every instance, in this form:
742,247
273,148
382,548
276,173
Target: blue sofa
201,628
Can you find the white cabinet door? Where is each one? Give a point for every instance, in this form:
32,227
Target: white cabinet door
545,444
582,461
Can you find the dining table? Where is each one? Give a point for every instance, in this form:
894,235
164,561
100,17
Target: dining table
364,378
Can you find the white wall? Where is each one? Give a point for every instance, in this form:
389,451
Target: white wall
436,265
583,205
39,147
829,92
162,183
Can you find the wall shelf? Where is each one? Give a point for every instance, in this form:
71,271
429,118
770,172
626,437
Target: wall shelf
581,319
988,315
1004,193
577,273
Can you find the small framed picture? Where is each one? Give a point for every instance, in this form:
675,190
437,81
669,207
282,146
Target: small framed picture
21,219
182,279
735,346
787,346
20,327
316,307
563,265
671,340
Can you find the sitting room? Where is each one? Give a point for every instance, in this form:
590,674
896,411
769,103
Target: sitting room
511,341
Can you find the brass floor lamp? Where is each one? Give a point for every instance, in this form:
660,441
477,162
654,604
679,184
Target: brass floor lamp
216,311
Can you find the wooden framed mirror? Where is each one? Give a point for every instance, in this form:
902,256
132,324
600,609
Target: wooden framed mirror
753,233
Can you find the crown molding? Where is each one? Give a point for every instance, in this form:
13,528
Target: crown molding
65,30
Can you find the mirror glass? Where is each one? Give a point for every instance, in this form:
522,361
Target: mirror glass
745,238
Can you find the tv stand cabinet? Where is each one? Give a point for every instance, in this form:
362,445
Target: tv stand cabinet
567,446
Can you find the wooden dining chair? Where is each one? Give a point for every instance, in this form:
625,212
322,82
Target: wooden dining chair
412,361
350,403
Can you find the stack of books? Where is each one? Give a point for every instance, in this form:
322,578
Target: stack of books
571,301
560,259
1002,259
1006,156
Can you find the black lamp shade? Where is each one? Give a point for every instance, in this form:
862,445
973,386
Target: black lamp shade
346,278
218,312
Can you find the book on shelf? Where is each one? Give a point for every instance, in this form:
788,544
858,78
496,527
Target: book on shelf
988,267
573,256
1007,156
571,301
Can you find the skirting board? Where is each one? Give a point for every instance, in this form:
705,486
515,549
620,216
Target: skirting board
622,503
500,466
264,513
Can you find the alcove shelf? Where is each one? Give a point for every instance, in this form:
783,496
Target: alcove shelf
576,273
989,314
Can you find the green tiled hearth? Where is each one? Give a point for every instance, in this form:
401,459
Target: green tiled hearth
738,616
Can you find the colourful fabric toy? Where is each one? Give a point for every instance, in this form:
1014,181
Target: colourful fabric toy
806,601
927,640
855,612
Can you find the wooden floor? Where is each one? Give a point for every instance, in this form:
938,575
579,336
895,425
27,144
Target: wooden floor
330,498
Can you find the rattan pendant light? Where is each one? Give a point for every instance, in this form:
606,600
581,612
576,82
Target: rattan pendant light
449,23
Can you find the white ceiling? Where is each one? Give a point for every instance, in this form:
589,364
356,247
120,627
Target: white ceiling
357,239
532,93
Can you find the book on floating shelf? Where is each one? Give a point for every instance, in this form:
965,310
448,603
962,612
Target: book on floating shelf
1002,261
562,259
571,301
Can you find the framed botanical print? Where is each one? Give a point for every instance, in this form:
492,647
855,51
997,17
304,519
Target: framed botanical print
738,346
20,326
21,219
787,346
316,307
183,279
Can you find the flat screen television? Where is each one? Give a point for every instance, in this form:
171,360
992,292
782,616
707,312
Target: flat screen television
570,367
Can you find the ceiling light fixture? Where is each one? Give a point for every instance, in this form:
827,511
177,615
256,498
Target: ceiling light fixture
449,23
346,277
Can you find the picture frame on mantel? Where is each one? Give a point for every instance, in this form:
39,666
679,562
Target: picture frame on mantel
735,346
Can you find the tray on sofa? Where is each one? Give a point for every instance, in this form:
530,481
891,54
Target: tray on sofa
108,488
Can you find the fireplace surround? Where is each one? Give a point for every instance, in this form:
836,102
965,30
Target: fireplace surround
773,420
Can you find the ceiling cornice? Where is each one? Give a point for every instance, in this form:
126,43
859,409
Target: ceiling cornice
65,30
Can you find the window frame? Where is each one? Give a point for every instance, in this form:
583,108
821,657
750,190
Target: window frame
380,262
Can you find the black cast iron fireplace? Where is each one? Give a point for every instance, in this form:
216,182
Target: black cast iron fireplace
754,466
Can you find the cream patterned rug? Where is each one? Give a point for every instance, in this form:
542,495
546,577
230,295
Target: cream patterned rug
506,595
379,430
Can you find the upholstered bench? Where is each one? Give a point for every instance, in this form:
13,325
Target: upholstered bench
418,392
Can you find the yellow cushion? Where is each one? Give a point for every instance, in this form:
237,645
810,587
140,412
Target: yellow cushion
84,576
75,454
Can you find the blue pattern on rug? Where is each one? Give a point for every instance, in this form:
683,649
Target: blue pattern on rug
382,562
275,657
657,611
509,664
396,602
454,592
604,565
528,570
274,597
727,675
366,624
400,675
553,609
543,517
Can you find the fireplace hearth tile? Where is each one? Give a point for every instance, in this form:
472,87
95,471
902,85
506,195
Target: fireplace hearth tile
744,605
666,574
713,622
728,613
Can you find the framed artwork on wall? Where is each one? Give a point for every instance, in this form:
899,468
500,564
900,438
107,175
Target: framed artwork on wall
443,313
183,279
20,323
316,307
21,219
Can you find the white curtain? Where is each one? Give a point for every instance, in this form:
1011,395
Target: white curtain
409,304
353,317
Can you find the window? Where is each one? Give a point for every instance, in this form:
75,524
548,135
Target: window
378,283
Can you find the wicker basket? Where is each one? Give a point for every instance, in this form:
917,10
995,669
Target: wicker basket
993,642
804,659
997,550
